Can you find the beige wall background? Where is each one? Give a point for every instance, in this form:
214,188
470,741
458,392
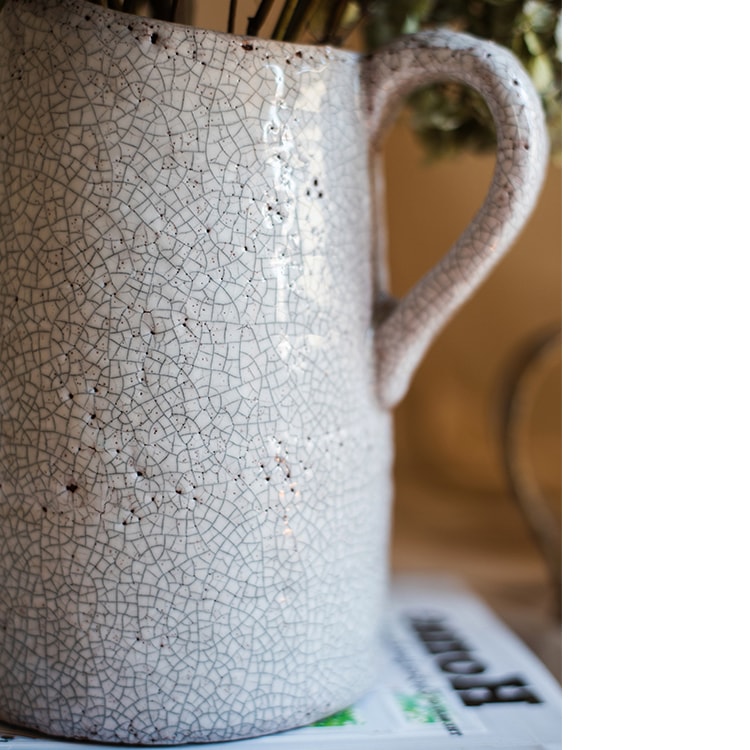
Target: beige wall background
446,424
453,511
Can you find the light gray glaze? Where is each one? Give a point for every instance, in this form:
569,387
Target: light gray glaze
195,443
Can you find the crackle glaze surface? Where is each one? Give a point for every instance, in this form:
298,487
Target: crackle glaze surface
194,436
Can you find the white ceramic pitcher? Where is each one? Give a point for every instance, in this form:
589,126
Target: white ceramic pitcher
197,361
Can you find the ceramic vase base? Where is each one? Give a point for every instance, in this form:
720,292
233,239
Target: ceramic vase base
156,735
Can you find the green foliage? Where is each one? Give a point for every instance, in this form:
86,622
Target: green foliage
419,708
340,719
447,117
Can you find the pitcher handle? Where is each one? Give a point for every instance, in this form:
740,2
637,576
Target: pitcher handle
408,326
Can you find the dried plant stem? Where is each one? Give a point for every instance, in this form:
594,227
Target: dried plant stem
299,19
232,14
255,23
283,20
334,19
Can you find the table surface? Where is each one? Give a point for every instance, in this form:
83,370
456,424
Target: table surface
484,541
